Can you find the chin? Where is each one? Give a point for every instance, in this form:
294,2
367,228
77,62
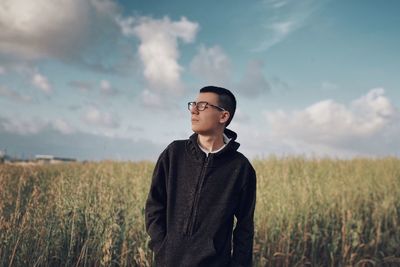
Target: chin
195,129
200,131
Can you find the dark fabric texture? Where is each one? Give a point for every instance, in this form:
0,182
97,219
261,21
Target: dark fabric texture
192,202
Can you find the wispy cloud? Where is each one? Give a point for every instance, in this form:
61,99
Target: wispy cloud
152,100
329,86
22,126
62,126
41,82
14,95
107,89
83,86
254,82
34,125
96,117
212,65
240,118
284,18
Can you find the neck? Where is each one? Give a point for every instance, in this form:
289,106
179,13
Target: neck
211,142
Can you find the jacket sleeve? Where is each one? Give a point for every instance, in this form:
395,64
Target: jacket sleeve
155,209
243,234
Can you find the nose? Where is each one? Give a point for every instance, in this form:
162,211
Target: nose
193,110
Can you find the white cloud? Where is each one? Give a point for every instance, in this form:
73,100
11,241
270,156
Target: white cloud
80,145
158,49
162,104
151,99
99,118
83,86
34,125
254,82
14,95
211,65
241,117
42,83
368,125
29,75
2,70
62,126
106,88
61,29
22,126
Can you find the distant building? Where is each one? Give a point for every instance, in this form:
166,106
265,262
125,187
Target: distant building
4,158
50,159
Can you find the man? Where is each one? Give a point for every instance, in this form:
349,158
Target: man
199,185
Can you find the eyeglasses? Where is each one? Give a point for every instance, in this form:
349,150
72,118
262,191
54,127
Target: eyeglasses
202,105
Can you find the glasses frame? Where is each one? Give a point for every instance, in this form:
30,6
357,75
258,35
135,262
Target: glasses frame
195,105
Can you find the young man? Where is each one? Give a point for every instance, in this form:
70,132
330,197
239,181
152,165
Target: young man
199,185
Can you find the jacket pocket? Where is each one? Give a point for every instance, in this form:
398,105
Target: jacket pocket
160,253
161,246
200,251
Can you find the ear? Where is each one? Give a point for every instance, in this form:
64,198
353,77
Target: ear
224,117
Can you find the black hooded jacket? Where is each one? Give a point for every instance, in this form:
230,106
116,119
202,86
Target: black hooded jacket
192,202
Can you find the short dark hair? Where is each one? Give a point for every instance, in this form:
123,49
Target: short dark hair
226,99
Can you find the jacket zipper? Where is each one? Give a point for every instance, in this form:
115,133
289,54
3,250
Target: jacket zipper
193,212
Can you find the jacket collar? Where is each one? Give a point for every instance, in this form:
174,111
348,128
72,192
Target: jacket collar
232,146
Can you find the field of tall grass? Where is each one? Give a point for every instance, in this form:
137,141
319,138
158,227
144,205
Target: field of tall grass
309,212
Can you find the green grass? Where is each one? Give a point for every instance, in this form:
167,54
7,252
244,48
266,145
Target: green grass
315,212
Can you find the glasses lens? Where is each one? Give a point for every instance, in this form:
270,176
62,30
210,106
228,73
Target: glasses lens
201,106
191,105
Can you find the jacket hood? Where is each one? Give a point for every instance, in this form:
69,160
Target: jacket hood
232,146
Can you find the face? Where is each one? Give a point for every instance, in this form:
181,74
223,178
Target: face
210,120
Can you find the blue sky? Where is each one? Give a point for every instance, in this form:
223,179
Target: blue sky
102,79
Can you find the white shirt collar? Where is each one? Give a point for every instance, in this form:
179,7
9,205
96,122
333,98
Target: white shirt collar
225,139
